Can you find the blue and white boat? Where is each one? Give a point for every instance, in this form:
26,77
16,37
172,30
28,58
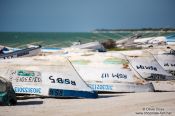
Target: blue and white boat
32,51
170,39
45,76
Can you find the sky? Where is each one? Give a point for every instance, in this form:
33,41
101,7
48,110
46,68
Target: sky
84,15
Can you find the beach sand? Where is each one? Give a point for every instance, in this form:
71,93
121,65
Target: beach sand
126,104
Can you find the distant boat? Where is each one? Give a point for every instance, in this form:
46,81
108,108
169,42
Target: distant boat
6,49
156,40
32,51
151,40
97,46
50,50
45,49
170,39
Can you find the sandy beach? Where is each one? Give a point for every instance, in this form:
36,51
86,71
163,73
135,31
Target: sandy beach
118,104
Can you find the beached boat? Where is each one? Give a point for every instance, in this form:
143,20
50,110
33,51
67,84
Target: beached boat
45,76
7,94
170,40
166,58
97,46
106,73
151,40
50,50
32,51
46,49
146,65
6,49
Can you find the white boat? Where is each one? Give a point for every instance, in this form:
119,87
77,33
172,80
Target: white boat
97,46
145,65
45,76
45,49
165,59
6,49
170,40
50,50
107,73
151,40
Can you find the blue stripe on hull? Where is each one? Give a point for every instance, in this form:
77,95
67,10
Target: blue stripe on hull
72,93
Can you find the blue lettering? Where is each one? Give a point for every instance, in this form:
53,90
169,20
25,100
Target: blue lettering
55,92
100,87
27,90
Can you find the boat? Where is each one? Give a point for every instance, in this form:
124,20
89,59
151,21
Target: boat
166,58
7,94
45,76
96,46
169,40
46,49
32,51
6,49
108,73
50,50
147,66
151,40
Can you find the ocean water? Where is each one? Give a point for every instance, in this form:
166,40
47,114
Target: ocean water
58,39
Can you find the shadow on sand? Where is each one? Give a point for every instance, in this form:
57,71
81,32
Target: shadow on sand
110,95
29,103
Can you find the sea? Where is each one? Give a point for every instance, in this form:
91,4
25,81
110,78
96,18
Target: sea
62,39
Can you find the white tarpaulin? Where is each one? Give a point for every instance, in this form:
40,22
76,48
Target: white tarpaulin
45,75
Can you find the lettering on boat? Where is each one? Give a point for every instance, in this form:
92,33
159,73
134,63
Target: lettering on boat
100,87
168,65
172,72
27,90
61,80
25,76
155,77
114,75
55,92
146,67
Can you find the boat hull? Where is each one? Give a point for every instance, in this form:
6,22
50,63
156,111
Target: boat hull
22,53
164,85
41,75
121,87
